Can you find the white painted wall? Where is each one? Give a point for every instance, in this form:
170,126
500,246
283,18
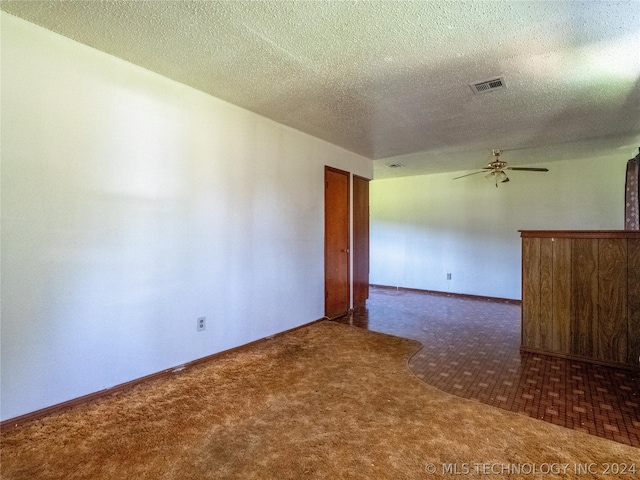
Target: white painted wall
427,226
131,205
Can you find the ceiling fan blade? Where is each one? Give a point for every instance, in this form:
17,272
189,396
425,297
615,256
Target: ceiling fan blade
474,173
528,169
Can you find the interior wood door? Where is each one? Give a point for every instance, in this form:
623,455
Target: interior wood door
360,241
336,243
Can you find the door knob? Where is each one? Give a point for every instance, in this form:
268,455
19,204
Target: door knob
345,250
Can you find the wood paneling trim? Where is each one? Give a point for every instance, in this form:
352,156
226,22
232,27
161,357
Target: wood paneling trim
625,366
580,234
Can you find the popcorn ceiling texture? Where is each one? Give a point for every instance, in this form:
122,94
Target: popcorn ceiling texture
387,78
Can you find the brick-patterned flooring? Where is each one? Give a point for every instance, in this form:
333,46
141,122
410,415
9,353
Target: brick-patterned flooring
471,348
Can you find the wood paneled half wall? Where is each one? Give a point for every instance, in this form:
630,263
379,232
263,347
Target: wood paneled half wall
581,295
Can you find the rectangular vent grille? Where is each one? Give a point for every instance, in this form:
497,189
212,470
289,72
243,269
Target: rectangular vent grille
489,85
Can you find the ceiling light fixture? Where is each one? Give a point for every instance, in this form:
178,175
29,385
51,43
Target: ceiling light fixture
497,167
497,177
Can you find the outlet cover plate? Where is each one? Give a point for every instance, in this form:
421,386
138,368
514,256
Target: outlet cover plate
202,323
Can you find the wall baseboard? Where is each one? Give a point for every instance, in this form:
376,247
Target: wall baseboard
16,422
581,358
449,294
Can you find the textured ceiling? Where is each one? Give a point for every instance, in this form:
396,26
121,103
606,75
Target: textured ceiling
390,79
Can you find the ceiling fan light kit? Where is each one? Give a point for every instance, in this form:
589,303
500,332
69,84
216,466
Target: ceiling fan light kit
497,167
497,177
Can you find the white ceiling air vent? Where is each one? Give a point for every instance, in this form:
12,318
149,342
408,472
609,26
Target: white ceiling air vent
395,165
488,85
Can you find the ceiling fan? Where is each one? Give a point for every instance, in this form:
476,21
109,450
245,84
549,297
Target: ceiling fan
497,167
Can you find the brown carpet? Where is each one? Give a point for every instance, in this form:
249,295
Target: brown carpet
327,401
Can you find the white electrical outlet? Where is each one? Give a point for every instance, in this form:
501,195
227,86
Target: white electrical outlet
202,323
